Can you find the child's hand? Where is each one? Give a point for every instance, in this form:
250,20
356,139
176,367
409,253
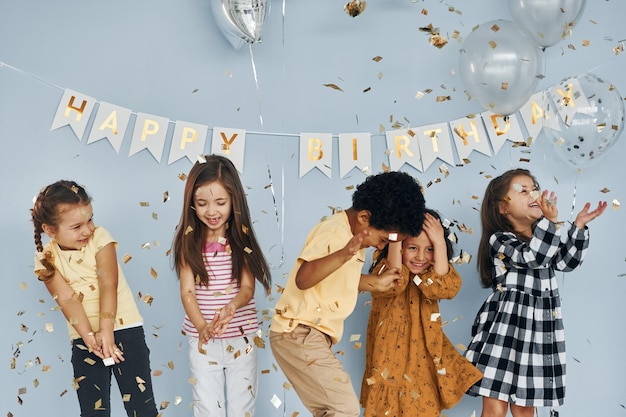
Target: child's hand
388,280
226,314
585,216
433,229
106,340
354,245
548,205
206,333
94,346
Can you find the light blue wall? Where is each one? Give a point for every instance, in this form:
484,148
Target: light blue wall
169,59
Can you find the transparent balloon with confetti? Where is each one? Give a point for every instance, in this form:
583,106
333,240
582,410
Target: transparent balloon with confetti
585,119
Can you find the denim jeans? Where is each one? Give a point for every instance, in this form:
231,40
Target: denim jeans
93,378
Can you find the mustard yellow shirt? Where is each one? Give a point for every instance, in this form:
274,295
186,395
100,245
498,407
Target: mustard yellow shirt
78,267
326,305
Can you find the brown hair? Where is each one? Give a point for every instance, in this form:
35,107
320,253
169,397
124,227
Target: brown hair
46,210
493,221
191,232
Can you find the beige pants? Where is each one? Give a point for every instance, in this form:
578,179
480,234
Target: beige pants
317,376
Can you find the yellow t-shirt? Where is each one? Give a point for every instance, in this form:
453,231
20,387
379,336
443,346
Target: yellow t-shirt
326,305
78,267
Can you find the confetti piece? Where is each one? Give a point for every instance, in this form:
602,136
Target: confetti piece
276,402
333,86
355,7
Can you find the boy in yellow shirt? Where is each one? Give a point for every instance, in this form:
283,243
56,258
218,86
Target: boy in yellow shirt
324,283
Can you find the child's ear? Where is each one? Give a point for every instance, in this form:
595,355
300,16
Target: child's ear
364,217
502,208
47,229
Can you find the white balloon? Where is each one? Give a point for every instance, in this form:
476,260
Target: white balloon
500,65
241,20
548,21
586,118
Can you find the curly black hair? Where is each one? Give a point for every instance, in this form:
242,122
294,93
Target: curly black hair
395,201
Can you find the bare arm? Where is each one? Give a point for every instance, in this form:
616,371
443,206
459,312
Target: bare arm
313,272
73,310
435,232
246,292
190,304
107,270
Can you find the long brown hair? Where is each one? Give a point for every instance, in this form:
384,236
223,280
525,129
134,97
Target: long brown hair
493,221
191,232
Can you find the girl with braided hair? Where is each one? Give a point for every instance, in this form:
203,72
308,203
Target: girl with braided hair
79,267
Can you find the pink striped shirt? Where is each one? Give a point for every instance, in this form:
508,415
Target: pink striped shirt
220,291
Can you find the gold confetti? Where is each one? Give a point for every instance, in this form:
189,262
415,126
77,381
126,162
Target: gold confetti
154,273
355,7
127,258
144,204
333,86
616,204
377,58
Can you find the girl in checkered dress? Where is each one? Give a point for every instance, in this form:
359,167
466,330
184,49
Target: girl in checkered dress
517,337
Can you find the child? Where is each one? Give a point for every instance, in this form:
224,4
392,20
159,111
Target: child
517,338
411,368
217,258
324,283
80,270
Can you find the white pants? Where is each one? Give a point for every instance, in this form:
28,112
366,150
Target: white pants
226,377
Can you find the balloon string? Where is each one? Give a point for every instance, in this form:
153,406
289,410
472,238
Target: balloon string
256,82
280,221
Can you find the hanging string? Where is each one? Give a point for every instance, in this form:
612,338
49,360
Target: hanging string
256,82
280,220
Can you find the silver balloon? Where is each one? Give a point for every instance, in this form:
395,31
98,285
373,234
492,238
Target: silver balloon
241,20
586,119
500,65
548,21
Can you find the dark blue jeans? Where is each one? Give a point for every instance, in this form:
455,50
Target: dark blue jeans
132,376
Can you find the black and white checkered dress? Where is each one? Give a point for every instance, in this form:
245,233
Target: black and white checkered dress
518,340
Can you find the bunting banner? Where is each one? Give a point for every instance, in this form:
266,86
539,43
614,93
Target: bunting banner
355,151
230,143
187,141
110,122
418,147
316,151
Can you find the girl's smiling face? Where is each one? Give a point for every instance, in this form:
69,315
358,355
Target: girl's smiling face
213,206
521,203
75,226
417,253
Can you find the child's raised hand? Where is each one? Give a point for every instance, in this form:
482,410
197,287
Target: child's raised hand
354,245
547,204
585,216
433,229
